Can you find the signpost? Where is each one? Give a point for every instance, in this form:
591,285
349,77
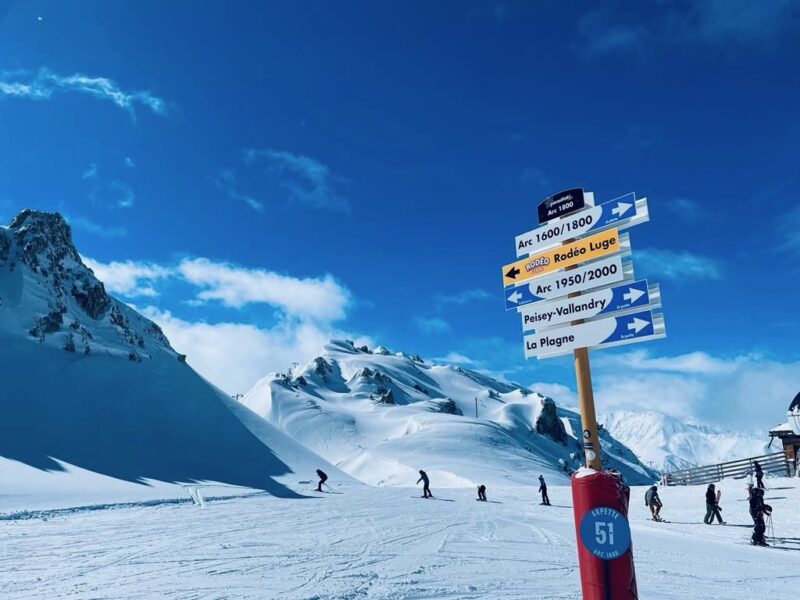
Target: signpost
580,251
575,267
597,273
589,305
612,331
622,214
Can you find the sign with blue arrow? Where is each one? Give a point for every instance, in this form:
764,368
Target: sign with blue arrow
588,305
592,275
621,213
604,333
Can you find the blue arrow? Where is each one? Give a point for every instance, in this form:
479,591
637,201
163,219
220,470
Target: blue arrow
632,326
520,296
628,295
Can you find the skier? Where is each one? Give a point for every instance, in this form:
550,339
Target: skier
759,475
481,493
758,510
712,506
322,479
652,500
543,490
426,484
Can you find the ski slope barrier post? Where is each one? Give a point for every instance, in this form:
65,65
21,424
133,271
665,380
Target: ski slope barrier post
605,553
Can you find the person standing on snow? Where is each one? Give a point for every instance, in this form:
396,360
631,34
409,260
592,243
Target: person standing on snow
426,484
758,510
481,493
759,475
322,479
712,506
543,491
652,500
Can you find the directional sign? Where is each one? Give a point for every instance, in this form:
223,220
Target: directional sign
605,532
560,204
588,305
583,250
604,333
595,274
622,214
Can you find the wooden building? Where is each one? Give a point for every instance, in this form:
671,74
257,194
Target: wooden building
789,435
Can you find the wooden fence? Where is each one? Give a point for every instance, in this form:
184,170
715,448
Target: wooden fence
775,463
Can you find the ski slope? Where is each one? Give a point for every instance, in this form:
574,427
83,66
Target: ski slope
387,543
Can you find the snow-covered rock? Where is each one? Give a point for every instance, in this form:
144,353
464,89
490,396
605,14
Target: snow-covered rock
90,383
382,416
669,443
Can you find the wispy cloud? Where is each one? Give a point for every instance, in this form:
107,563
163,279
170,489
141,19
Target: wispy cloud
686,209
678,265
789,231
431,325
128,278
44,84
90,172
225,181
465,297
89,226
535,176
731,22
128,162
308,181
455,358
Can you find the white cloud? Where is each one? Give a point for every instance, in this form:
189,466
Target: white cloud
128,162
44,84
322,298
308,181
128,278
234,356
431,325
562,394
464,297
90,172
745,392
225,181
88,226
455,358
678,265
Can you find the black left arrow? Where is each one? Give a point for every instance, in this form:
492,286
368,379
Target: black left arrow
512,273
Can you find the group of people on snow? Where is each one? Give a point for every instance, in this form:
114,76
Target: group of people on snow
759,510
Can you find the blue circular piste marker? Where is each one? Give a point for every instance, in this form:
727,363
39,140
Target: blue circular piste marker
605,532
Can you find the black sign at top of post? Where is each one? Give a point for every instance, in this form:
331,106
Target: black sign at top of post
560,204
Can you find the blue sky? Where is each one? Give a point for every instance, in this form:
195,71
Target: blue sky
259,176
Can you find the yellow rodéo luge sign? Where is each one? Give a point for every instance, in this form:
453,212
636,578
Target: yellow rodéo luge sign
588,248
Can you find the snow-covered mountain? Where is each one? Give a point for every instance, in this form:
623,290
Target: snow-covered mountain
90,385
671,444
381,417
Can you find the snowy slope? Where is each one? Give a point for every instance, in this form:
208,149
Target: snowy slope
92,387
379,543
381,417
671,444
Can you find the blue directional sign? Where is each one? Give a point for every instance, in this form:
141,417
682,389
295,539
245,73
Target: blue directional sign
603,333
605,532
592,275
622,213
596,303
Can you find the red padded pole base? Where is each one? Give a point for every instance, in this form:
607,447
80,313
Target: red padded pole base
612,579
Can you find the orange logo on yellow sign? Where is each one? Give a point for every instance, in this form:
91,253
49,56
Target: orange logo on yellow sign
580,251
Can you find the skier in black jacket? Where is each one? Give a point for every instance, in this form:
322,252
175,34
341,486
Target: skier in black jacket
712,508
543,490
759,475
758,510
322,479
426,484
652,500
481,493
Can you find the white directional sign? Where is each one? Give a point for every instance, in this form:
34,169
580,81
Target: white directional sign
604,333
636,294
622,213
592,275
